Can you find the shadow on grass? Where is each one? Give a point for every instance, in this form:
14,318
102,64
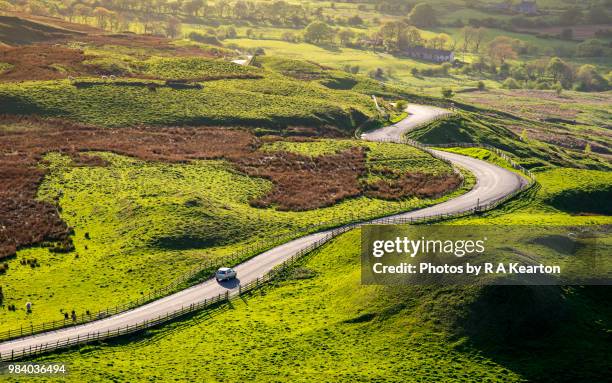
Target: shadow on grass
543,333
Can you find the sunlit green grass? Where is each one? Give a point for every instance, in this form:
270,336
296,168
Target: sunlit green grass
319,323
397,68
140,225
195,68
273,101
538,206
300,331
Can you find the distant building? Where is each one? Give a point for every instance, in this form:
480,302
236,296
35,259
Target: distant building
528,7
428,54
504,6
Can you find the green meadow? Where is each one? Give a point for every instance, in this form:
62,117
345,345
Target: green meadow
343,331
270,101
139,225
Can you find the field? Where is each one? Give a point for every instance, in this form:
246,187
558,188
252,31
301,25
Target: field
343,331
580,118
397,69
127,80
244,102
128,160
139,222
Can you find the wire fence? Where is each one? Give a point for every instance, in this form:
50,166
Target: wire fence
206,270
202,272
90,337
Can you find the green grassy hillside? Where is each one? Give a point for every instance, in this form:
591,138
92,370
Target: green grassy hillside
479,126
562,196
139,225
274,102
344,332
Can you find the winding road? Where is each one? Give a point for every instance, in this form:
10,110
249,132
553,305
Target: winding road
493,183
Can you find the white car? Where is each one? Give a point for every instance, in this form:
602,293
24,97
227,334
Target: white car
225,274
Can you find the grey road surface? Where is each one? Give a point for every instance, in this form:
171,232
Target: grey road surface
417,115
493,183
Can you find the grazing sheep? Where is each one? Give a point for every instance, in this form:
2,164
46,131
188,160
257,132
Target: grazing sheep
113,77
104,77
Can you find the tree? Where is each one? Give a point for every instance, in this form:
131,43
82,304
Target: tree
590,80
355,20
591,48
173,27
241,10
468,34
587,148
207,38
447,93
511,83
423,15
377,74
411,37
571,16
567,34
82,10
560,71
598,15
102,16
230,32
439,41
501,49
221,7
192,7
288,36
345,36
393,34
536,69
481,86
317,32
479,35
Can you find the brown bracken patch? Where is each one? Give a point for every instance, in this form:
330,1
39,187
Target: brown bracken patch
53,62
413,185
42,62
300,182
303,183
24,141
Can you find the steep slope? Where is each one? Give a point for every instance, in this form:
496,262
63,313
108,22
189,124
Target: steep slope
19,31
